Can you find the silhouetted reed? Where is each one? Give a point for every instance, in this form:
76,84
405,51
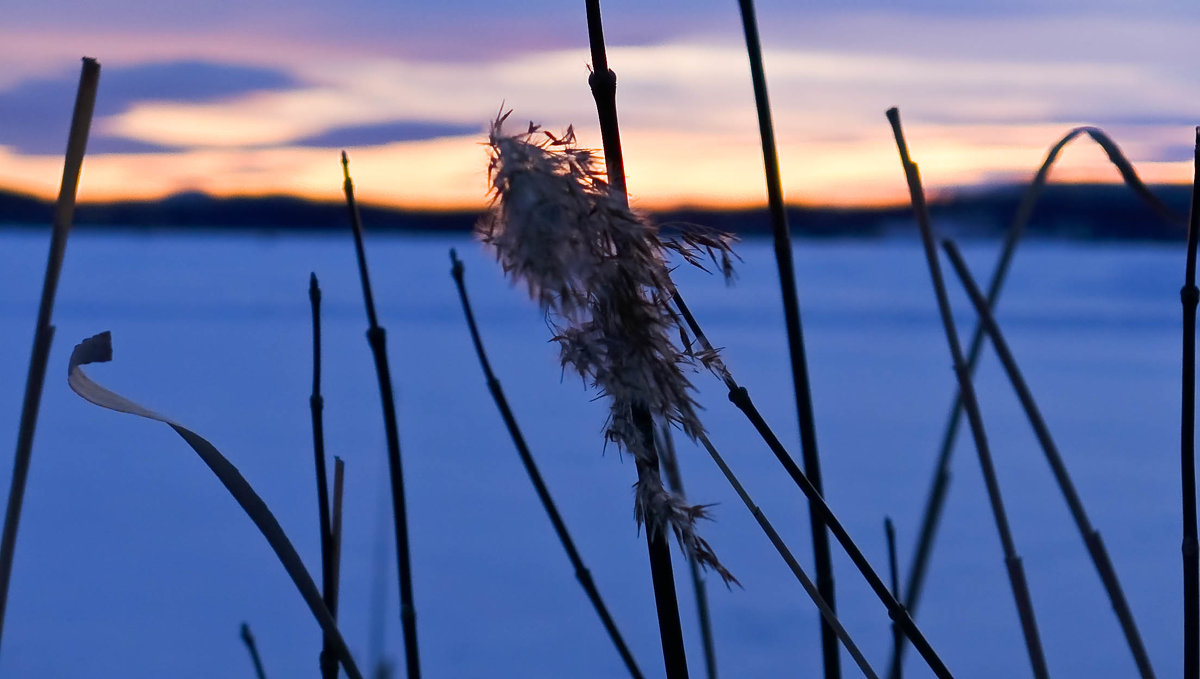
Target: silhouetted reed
539,485
64,211
1091,536
940,485
795,333
328,661
1189,295
828,616
377,339
740,397
599,273
670,465
252,647
661,390
889,531
335,541
1012,561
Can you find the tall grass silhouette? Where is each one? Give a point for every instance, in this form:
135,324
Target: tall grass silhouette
1012,562
64,212
940,484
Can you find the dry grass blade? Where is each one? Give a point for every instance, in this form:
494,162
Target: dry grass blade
98,349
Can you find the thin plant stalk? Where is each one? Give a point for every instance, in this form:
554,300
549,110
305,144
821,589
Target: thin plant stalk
1091,536
603,83
1190,295
377,339
740,397
827,613
783,240
1012,561
335,558
940,485
795,333
64,211
252,647
670,464
897,636
582,574
1016,230
328,661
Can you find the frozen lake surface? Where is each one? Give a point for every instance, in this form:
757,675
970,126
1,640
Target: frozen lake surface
133,561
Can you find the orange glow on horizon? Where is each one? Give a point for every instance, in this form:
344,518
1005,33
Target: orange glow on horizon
666,169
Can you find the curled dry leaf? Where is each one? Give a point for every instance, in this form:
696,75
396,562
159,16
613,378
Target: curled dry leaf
98,349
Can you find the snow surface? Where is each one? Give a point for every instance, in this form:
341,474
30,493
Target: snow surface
132,560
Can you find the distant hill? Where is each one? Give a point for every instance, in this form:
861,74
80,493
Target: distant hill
1076,211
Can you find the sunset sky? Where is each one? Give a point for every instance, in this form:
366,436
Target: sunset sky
259,96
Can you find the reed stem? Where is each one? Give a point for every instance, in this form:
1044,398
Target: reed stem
1091,536
897,636
64,211
582,574
827,613
251,646
795,334
328,660
940,485
603,83
670,463
377,339
335,558
1190,295
741,398
1016,573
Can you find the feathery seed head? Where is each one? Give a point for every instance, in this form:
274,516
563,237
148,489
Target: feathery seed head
600,272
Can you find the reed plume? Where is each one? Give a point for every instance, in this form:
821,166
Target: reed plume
599,271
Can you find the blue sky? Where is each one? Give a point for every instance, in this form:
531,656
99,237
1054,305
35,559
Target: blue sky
258,97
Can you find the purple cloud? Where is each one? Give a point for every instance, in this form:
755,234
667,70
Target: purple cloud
35,114
386,133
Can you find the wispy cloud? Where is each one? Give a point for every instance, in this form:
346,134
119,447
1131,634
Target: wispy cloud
982,99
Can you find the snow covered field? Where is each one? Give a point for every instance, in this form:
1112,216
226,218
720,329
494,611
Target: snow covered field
133,561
